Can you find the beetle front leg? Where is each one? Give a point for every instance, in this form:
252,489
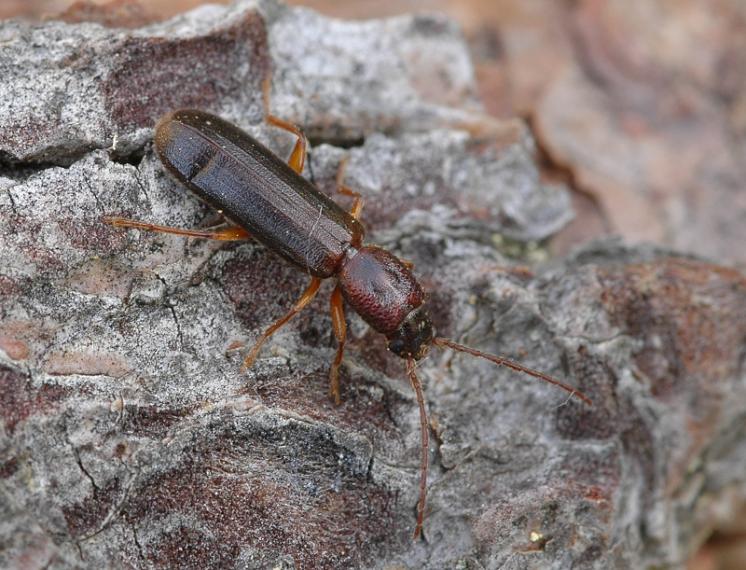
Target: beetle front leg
340,332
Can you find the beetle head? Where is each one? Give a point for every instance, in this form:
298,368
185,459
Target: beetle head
414,335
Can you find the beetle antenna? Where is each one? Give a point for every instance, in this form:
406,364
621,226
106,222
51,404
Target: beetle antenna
425,446
501,361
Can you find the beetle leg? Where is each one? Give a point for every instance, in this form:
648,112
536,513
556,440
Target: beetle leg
340,332
298,156
357,204
233,233
305,298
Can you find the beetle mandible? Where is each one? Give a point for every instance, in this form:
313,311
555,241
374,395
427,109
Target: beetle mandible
267,199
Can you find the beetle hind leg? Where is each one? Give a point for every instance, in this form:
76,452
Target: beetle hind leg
300,304
232,233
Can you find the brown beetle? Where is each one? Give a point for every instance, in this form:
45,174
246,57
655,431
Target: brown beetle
268,200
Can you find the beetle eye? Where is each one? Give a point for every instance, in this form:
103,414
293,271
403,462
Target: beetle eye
396,346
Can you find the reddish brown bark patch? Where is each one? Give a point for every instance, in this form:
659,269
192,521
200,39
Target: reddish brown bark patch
20,398
94,236
691,316
8,286
149,76
88,515
362,409
8,468
15,348
300,498
262,287
112,14
193,549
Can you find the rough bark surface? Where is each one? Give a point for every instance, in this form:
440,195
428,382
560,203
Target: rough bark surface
128,436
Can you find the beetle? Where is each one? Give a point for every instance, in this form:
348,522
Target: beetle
267,199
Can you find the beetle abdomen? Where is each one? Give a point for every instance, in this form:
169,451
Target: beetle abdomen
236,174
